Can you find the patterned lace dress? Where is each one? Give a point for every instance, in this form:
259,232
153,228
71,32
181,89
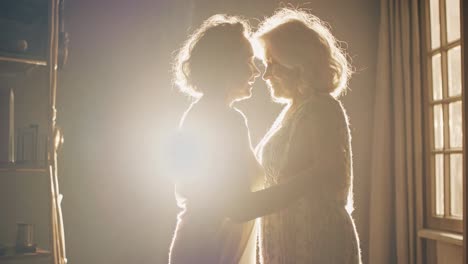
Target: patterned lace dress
318,227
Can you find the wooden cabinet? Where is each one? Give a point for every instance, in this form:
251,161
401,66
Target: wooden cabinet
32,50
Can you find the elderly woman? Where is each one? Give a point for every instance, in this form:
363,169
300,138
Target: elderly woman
306,68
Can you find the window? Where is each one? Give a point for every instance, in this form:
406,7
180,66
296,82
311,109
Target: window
443,116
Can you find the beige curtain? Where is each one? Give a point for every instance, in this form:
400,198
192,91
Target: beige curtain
397,142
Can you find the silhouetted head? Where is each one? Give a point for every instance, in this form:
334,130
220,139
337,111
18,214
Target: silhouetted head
301,55
217,60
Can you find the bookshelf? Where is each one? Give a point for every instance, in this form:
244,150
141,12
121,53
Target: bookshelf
32,51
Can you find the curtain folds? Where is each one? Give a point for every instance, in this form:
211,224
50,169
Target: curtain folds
397,141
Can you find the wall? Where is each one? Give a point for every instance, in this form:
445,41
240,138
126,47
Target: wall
116,105
440,252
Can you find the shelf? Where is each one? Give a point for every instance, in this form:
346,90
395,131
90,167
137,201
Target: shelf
11,69
12,167
15,59
11,254
13,64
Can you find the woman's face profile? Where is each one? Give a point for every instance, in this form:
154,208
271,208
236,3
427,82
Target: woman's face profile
244,74
281,79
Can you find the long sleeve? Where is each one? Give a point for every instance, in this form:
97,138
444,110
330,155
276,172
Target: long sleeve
317,164
251,205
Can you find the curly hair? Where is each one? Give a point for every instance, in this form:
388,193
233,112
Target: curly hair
204,58
302,40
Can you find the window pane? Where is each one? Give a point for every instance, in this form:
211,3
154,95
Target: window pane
439,184
454,71
453,20
455,125
435,24
456,185
438,127
436,77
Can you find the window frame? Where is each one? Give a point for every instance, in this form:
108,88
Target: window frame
464,70
431,221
